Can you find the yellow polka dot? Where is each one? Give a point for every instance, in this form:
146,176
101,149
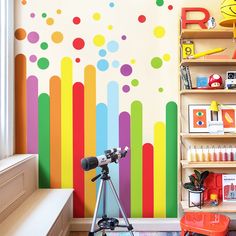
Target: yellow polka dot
99,40
96,16
57,37
110,27
58,11
50,21
166,57
159,32
132,61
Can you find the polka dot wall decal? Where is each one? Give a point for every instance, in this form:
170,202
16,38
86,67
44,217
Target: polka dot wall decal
44,15
110,27
77,60
57,37
97,16
142,18
33,37
170,7
102,65
160,3
99,40
32,15
123,37
132,61
78,43
135,82
33,58
58,11
166,57
126,88
112,46
43,45
76,20
156,62
20,34
24,2
43,63
160,90
50,21
102,53
111,4
115,64
159,31
126,70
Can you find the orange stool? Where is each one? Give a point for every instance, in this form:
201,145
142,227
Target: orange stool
204,223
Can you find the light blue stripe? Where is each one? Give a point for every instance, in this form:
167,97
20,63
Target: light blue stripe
101,141
113,142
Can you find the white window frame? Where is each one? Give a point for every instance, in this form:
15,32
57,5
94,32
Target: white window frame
6,78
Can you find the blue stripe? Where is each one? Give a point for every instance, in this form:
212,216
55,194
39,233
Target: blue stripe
101,141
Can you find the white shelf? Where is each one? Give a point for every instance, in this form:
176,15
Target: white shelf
207,135
208,62
206,91
206,165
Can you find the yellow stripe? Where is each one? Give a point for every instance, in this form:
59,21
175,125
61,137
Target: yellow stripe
66,124
159,170
90,135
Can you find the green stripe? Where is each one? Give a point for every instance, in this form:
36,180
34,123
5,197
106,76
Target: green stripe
171,160
44,141
136,159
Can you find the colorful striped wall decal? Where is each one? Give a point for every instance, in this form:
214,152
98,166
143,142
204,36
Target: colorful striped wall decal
113,142
136,159
32,114
148,178
171,160
66,123
44,141
20,105
124,164
159,170
90,135
78,149
55,132
101,144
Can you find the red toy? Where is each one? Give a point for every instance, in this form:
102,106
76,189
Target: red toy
215,81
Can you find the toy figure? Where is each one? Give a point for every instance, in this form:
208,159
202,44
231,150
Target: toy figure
215,81
211,23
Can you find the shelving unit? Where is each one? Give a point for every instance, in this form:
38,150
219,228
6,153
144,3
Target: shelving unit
208,62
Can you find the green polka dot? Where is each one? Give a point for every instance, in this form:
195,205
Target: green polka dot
160,3
44,45
43,63
156,62
44,15
135,82
160,90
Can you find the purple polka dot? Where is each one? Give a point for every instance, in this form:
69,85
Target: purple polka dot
126,70
32,15
33,58
33,37
126,88
123,37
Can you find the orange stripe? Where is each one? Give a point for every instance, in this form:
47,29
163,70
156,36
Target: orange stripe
55,132
20,105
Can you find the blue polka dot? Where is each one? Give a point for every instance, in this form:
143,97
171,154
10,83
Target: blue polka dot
113,46
111,4
102,53
115,64
102,65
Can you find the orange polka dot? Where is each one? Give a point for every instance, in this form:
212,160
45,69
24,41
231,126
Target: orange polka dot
23,2
57,37
20,34
50,21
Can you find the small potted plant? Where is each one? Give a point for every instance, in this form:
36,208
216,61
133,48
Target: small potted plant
196,187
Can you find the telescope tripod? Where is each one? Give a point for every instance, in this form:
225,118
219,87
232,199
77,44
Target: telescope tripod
106,222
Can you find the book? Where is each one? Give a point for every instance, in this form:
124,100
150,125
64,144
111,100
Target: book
186,77
229,187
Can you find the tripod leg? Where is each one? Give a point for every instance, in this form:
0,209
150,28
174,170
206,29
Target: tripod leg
104,200
96,208
129,226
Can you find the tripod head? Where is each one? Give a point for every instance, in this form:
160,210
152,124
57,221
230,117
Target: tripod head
103,175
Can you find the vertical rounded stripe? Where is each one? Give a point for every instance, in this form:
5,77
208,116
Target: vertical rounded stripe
101,144
112,142
20,105
66,123
55,132
124,140
32,115
44,140
90,135
171,160
148,180
159,170
78,149
136,159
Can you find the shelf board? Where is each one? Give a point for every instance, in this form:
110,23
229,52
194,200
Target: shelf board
227,207
206,34
208,91
203,135
208,62
211,164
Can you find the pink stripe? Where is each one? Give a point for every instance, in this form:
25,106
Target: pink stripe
32,114
124,168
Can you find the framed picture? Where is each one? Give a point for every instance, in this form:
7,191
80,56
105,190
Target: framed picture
198,117
227,114
229,187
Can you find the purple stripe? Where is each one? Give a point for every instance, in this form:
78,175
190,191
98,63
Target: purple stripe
32,114
124,170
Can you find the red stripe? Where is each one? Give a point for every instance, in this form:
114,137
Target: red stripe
148,192
78,148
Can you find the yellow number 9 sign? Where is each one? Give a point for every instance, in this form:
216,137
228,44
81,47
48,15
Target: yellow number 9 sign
187,49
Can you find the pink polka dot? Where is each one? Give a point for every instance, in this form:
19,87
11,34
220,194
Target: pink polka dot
123,37
170,7
126,70
78,43
33,37
142,18
33,58
32,15
76,20
126,88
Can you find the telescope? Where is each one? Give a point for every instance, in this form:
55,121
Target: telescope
111,155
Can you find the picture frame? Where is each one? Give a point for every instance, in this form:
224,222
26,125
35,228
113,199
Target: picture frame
227,114
198,117
229,188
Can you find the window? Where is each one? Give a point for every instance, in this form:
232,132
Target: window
6,78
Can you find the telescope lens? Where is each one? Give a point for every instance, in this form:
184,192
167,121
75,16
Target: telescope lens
89,163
